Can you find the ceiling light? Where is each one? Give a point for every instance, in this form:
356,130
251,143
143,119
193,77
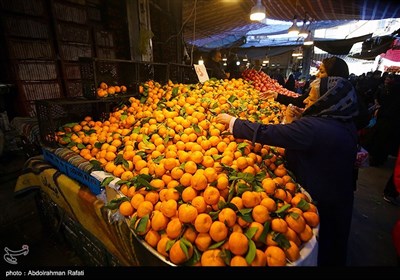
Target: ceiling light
309,40
257,12
294,29
303,31
237,60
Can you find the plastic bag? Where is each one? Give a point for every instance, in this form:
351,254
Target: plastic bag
362,160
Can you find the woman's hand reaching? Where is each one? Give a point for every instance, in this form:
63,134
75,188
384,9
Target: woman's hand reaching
224,118
268,94
293,113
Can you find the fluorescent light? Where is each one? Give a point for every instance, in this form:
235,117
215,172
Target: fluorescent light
309,40
257,12
297,52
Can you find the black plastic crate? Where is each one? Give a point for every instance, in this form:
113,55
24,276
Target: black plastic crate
110,71
152,71
180,73
54,113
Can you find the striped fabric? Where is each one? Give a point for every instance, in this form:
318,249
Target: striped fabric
28,127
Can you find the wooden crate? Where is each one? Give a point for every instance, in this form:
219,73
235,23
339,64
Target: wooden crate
27,27
31,49
31,7
70,32
33,70
69,12
73,51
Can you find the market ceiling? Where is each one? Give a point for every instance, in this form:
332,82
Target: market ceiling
223,23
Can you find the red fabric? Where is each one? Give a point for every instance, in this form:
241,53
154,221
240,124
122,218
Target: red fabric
396,236
396,228
391,54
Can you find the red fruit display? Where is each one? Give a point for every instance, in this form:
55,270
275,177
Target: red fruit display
264,83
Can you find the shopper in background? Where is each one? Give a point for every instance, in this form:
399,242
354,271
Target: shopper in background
215,66
320,148
290,83
306,87
385,135
279,77
232,67
369,86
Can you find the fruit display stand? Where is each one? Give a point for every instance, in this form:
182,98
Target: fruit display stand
165,149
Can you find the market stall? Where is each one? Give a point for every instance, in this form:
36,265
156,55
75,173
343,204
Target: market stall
85,222
120,161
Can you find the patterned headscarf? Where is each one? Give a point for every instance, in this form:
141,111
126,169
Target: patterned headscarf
337,100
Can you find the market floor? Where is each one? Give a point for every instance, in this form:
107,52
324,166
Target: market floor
370,241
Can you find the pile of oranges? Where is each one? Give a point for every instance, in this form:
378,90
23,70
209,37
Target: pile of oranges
105,90
188,188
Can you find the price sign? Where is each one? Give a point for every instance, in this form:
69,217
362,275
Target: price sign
201,72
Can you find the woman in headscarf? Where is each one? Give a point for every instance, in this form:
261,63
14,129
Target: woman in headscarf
330,66
320,148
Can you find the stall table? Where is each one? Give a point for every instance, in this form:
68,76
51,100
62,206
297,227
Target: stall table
91,228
